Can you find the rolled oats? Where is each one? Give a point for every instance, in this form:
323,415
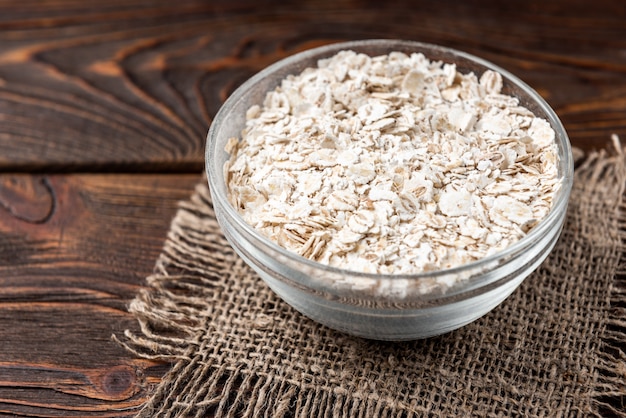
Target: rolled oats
392,164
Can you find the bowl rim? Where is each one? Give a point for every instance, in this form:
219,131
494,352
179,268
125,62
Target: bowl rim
558,208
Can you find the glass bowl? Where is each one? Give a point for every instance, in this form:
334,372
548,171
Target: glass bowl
440,301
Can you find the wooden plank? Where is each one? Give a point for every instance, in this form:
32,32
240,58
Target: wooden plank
127,85
132,86
74,250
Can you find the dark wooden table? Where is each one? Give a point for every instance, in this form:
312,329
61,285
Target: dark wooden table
104,109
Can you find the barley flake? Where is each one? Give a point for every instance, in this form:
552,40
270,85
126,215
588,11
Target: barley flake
392,164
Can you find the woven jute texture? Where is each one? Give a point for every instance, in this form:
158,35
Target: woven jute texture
555,347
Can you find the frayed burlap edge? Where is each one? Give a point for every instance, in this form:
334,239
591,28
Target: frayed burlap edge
609,395
172,313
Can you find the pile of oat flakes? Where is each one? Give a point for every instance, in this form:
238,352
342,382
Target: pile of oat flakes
392,164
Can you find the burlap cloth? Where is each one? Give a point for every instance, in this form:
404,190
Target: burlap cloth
556,347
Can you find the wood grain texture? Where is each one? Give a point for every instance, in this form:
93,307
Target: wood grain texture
88,85
74,250
129,88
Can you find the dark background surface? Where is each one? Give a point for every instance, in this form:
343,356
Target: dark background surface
104,109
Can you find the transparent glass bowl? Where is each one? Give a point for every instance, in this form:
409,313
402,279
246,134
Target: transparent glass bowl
441,301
